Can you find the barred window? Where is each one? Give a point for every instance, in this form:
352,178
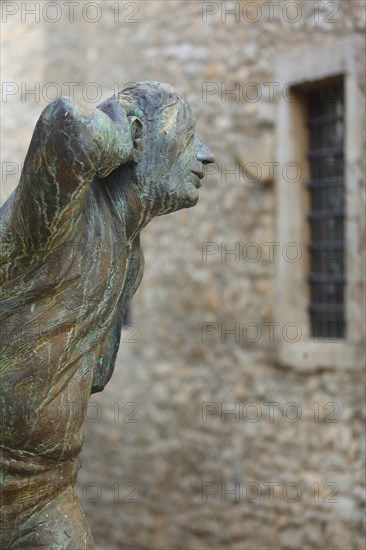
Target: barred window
320,127
327,210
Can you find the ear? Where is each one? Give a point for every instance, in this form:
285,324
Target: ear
137,129
137,132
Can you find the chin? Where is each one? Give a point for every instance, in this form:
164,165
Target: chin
190,197
191,194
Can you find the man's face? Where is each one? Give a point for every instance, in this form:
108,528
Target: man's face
173,160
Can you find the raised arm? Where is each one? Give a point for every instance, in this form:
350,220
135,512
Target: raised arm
71,144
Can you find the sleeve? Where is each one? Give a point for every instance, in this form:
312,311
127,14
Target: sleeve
71,144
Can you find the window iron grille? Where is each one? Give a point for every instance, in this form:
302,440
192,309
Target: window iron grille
327,211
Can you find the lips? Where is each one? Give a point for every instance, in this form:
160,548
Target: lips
198,175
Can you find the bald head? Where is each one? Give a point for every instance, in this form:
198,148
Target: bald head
169,157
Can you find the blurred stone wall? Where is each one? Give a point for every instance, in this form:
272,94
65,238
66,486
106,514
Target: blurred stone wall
157,471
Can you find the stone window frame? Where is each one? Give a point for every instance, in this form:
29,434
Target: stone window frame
320,61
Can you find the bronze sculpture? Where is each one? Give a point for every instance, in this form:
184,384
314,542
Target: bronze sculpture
71,261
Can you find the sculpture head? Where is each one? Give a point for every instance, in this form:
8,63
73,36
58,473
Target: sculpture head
169,158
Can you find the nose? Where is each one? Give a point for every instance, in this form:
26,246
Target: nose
204,154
